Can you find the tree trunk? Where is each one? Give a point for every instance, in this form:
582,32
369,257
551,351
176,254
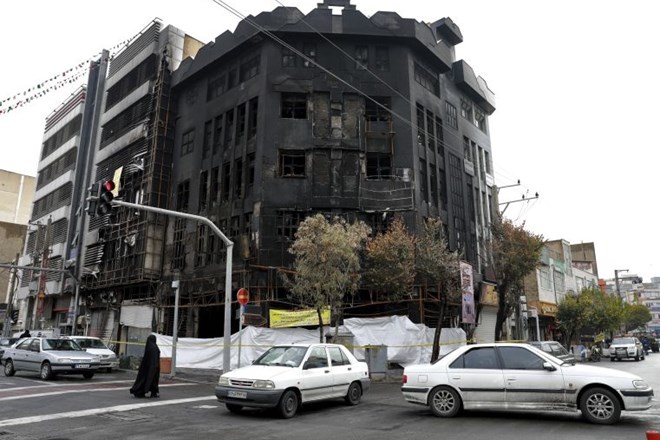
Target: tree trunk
435,353
318,313
501,310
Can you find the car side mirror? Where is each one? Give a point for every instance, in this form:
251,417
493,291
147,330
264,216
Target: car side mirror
548,366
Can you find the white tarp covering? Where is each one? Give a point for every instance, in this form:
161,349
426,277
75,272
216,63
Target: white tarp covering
407,343
136,316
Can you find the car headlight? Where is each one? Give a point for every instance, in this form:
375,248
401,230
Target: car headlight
264,384
223,381
64,360
640,384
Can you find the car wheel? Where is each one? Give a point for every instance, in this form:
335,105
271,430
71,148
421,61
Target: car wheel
612,359
88,375
108,370
9,368
600,406
46,372
636,357
288,405
354,394
234,408
444,402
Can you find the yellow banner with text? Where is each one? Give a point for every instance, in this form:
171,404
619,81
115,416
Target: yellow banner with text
296,318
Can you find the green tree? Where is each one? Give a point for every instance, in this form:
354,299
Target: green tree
635,315
327,263
590,310
516,253
439,266
571,316
391,261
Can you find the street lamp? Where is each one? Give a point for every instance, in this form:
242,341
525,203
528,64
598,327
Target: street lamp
616,280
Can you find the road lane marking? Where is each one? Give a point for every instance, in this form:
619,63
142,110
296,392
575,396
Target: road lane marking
86,390
96,411
81,384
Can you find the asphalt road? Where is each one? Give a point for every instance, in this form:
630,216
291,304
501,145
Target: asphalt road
102,408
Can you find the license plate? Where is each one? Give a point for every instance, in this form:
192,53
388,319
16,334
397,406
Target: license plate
237,394
82,366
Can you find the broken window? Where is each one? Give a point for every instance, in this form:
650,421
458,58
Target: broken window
208,139
238,178
226,180
188,142
309,50
235,226
249,184
452,118
361,57
203,189
252,118
216,87
215,183
434,186
427,78
182,196
287,223
288,57
421,131
240,123
294,105
378,108
229,127
249,68
423,181
200,249
379,166
292,163
217,136
382,61
179,252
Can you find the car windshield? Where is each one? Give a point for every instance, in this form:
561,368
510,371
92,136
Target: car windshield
90,343
623,341
60,345
282,356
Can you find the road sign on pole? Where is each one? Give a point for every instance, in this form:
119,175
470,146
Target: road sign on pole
243,296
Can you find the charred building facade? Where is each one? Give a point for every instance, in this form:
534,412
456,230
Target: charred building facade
295,114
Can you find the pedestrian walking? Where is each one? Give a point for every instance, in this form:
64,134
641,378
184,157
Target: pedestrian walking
149,371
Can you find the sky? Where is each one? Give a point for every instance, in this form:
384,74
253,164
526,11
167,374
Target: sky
574,83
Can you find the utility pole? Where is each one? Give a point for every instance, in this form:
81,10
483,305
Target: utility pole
616,280
6,330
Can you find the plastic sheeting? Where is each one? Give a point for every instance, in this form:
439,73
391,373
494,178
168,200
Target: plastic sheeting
407,342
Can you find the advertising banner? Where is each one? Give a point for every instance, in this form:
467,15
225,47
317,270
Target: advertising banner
488,295
467,290
297,318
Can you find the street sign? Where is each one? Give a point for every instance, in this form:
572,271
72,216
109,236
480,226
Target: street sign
243,296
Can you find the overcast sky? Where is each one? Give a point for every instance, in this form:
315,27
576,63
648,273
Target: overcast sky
574,82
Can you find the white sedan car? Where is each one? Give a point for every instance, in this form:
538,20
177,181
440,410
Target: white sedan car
286,376
509,376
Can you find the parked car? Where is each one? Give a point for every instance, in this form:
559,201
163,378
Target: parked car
48,357
96,346
655,346
627,347
509,376
6,343
554,348
286,376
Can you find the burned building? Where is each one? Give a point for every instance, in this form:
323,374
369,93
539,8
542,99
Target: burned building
294,114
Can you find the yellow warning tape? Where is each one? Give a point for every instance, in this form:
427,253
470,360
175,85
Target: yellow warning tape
220,344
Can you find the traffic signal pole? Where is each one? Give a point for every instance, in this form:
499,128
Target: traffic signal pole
228,270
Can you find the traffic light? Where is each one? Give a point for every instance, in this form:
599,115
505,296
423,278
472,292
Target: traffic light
93,199
105,198
14,316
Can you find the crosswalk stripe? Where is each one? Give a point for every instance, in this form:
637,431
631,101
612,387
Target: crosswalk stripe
95,411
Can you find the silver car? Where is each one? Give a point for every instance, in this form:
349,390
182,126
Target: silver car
627,347
48,357
509,376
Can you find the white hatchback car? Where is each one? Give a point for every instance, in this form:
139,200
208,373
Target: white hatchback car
286,376
96,346
509,376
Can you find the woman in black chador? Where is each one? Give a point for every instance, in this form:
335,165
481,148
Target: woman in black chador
149,371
